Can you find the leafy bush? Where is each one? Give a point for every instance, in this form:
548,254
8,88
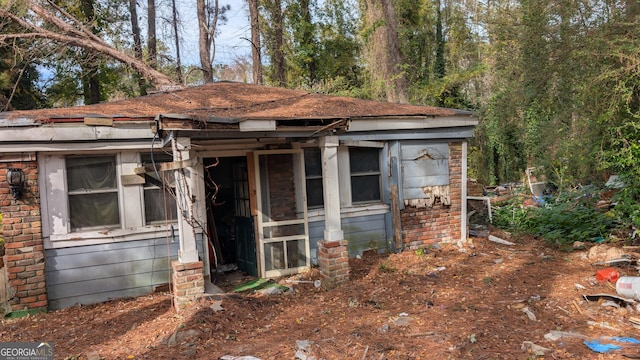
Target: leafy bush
563,219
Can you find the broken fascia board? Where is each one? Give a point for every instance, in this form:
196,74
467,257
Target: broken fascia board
413,134
257,125
368,144
73,133
408,123
75,147
18,122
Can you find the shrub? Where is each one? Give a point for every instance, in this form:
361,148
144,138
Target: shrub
563,219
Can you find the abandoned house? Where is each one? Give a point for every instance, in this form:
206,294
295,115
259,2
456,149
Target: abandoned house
117,199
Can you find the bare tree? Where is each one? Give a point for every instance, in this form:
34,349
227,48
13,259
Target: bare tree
255,42
71,31
208,17
174,23
90,67
137,42
278,59
152,48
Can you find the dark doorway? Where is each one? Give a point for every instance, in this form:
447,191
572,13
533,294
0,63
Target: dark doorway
230,224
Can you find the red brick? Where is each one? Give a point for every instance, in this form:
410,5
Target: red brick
39,304
13,245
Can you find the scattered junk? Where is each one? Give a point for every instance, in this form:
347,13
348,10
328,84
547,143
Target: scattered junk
629,287
608,297
612,343
534,349
604,252
529,313
316,283
537,183
607,274
498,240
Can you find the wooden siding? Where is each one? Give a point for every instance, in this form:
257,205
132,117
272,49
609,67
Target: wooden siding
362,233
423,165
95,273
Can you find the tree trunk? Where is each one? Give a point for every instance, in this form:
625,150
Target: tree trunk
439,66
255,42
90,67
383,52
308,40
151,34
177,38
137,43
204,42
80,36
399,80
278,53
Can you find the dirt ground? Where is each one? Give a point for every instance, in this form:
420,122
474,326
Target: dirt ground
491,301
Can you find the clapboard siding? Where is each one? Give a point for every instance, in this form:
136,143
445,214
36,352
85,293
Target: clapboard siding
362,233
95,273
423,165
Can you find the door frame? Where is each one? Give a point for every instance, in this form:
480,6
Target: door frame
261,224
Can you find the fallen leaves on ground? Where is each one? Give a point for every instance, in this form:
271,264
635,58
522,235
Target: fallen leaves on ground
489,301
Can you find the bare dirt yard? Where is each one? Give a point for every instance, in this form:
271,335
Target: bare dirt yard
491,301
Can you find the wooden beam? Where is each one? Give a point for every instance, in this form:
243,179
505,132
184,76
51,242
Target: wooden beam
397,225
164,166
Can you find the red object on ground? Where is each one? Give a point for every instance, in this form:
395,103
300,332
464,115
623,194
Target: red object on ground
605,274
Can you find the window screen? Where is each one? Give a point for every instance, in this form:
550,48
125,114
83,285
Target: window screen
365,174
92,192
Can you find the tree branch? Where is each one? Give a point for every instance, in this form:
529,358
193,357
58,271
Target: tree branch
71,35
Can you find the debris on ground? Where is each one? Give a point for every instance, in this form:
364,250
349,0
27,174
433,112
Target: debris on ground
459,305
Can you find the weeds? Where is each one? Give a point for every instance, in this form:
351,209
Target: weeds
571,216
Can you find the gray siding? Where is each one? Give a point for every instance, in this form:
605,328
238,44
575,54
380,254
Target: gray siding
362,233
96,273
423,164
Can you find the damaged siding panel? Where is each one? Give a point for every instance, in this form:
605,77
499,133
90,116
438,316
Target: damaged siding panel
425,169
96,273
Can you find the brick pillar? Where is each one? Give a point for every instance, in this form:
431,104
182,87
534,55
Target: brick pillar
22,231
333,259
188,283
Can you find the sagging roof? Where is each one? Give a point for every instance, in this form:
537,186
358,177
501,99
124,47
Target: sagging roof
228,102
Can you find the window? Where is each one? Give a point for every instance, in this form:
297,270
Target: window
92,192
159,205
365,174
313,176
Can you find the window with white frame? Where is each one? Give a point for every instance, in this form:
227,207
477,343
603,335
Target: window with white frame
92,192
364,166
159,200
313,177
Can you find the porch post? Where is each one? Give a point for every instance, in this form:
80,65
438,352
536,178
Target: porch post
188,276
333,257
188,252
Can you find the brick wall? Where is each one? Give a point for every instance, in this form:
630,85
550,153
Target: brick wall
22,231
422,226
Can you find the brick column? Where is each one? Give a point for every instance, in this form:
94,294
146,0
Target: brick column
188,283
333,259
22,231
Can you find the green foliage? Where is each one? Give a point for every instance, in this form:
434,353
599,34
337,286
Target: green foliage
571,216
386,268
